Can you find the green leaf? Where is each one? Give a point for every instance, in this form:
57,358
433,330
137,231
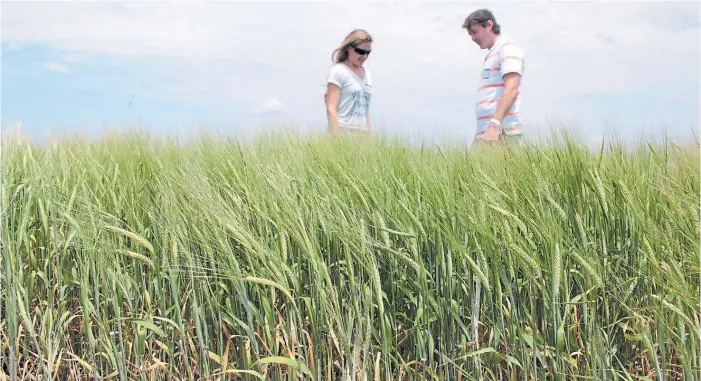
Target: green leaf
150,326
285,361
251,372
477,352
512,360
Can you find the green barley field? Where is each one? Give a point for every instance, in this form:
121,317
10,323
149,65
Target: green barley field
289,258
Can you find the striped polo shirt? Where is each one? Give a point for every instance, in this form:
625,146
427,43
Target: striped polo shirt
506,56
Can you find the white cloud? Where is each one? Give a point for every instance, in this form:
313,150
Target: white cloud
270,106
425,66
57,67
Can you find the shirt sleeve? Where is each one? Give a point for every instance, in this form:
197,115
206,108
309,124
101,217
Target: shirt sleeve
336,76
512,59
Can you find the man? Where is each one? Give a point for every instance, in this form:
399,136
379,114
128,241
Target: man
498,100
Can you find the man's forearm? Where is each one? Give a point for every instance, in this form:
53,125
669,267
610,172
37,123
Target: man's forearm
505,103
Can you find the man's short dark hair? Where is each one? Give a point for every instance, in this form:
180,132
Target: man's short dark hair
480,17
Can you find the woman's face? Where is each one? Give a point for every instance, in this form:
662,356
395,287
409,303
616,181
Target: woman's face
360,53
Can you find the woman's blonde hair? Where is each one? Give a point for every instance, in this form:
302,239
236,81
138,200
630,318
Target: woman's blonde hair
354,38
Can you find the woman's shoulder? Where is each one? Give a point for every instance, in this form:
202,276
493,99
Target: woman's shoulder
337,75
339,68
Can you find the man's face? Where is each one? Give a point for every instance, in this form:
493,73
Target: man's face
481,35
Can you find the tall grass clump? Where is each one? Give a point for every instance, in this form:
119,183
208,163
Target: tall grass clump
347,259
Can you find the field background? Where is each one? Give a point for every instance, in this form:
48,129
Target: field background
136,258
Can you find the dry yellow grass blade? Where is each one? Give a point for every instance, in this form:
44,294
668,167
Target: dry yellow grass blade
82,362
230,371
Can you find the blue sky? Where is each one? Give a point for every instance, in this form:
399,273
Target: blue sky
88,95
623,68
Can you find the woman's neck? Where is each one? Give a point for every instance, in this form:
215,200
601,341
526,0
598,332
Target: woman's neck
352,66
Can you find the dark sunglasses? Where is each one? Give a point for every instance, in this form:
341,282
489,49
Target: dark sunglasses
362,52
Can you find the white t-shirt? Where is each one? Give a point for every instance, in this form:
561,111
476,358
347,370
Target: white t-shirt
506,56
354,100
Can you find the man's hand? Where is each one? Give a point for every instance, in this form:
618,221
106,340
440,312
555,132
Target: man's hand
492,133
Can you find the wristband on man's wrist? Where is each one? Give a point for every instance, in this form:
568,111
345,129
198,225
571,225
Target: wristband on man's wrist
494,121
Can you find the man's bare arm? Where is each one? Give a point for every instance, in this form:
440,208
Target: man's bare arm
511,84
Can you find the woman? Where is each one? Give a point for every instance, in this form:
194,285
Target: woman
349,86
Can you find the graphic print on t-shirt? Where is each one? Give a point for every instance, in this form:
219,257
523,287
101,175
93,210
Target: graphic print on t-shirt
360,101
